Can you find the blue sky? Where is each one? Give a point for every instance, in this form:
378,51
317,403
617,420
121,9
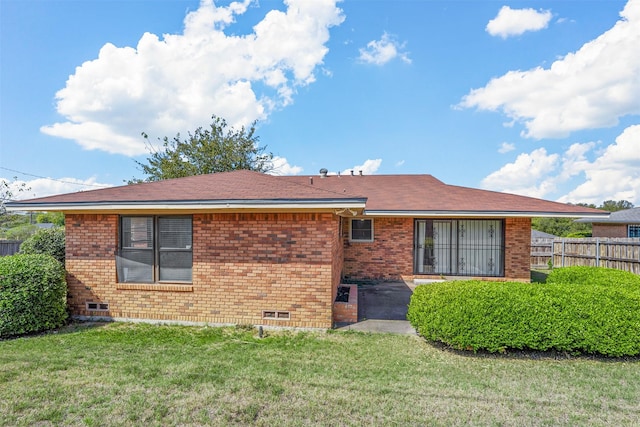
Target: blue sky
540,98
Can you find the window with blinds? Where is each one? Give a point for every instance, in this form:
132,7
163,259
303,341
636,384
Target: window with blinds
361,230
155,249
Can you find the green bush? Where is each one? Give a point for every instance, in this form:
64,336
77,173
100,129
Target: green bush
46,241
578,234
594,276
33,293
499,316
20,232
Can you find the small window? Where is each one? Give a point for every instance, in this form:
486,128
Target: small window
361,230
634,230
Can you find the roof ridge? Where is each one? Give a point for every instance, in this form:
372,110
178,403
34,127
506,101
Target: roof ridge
315,188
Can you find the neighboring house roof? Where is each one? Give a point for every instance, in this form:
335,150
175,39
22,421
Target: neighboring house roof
382,195
627,216
536,234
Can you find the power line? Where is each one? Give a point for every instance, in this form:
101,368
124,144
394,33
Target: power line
53,179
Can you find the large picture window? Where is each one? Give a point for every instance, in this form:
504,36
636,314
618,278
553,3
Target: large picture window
634,230
459,247
155,249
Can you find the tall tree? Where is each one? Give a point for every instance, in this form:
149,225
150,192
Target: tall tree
212,150
9,190
615,205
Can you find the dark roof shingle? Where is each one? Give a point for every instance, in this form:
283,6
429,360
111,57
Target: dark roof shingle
627,216
384,194
420,193
237,185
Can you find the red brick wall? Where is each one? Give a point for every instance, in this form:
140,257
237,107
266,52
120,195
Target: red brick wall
390,255
242,264
609,230
91,245
338,259
517,242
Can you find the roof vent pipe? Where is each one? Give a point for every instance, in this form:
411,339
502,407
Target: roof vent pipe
310,180
323,172
360,173
352,172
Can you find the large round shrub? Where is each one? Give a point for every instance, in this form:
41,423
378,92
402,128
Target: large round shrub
580,275
33,294
46,241
588,318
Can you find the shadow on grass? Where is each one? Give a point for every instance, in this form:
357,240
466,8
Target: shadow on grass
70,327
517,354
539,276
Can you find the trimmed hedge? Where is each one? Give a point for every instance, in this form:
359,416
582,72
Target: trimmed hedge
33,294
594,276
46,241
594,314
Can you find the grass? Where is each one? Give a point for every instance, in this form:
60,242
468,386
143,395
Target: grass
132,374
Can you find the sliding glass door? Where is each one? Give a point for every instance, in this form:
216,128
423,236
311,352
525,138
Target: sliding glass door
459,247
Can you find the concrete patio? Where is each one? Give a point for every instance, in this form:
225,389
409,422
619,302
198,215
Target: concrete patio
382,307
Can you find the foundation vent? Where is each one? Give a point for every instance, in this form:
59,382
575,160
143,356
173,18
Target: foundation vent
276,315
97,306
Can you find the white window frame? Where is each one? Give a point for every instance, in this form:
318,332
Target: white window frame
630,227
152,244
351,238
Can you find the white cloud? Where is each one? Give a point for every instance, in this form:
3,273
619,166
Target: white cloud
174,83
525,175
399,163
614,175
591,88
369,167
513,22
42,187
379,52
282,167
506,147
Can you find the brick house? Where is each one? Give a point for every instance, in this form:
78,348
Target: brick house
248,248
624,223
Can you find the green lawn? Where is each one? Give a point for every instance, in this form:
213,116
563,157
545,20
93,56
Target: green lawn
126,374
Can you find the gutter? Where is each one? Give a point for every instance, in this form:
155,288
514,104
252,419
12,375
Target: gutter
189,205
482,214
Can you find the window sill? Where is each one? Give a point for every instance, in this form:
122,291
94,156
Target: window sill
161,287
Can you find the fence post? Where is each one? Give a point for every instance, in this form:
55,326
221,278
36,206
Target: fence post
563,252
597,252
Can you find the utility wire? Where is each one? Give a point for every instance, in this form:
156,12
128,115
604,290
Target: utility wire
53,179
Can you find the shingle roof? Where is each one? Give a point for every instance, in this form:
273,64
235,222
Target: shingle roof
384,195
240,185
424,193
627,216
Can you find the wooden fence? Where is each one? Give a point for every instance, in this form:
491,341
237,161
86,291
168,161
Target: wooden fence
618,253
541,252
9,247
